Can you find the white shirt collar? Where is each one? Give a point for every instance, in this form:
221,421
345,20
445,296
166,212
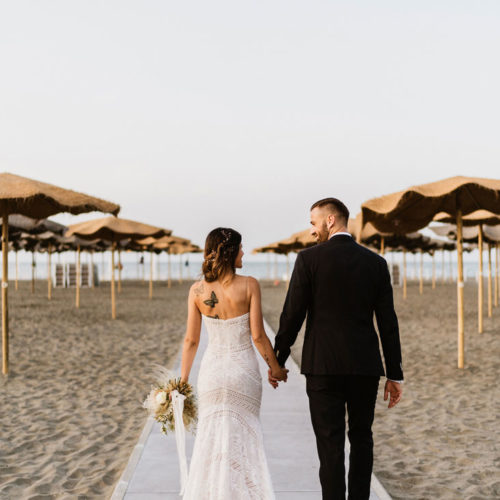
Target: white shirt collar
339,233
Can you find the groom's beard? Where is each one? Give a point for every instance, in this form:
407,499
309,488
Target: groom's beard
323,233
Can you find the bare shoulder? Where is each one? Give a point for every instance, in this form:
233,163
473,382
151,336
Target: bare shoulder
198,288
253,284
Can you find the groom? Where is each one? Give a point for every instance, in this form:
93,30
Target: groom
340,285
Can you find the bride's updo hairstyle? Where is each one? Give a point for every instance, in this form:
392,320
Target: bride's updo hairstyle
222,246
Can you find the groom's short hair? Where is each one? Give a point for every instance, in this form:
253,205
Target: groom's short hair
335,206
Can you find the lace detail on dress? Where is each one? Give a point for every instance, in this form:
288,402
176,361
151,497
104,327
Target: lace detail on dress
230,398
229,462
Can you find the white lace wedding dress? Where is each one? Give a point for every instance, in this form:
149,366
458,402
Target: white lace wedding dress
228,461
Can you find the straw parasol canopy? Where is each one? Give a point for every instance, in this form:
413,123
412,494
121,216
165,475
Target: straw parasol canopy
415,207
20,195
298,241
475,232
164,241
479,217
115,229
21,223
172,245
276,248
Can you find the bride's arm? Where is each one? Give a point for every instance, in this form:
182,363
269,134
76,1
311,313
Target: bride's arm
192,337
259,336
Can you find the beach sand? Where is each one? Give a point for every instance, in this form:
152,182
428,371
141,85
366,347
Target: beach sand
71,404
442,441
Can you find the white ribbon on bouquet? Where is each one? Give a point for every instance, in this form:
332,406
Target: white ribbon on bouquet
180,436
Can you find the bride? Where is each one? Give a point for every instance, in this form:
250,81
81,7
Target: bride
228,461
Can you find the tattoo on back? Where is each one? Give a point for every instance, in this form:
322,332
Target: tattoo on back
212,300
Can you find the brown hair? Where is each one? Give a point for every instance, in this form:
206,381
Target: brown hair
222,246
335,205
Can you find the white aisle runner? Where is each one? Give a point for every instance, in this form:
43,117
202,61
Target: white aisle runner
153,470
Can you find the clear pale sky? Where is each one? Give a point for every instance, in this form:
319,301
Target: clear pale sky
195,114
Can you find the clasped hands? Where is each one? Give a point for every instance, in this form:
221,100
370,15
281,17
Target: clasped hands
275,376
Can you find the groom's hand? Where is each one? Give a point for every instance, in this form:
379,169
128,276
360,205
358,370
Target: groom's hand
274,382
395,391
276,377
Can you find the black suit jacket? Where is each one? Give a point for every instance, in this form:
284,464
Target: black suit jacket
340,285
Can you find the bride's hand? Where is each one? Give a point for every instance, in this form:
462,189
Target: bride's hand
280,375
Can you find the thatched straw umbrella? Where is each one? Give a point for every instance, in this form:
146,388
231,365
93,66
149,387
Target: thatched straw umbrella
72,242
371,237
179,248
414,208
479,235
16,246
21,224
478,219
19,195
172,245
114,229
295,243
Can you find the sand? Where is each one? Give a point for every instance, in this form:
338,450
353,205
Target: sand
442,441
71,404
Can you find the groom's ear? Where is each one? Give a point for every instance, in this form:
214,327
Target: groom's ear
330,221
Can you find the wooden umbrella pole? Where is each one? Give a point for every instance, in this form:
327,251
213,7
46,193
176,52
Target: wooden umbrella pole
17,270
180,269
143,268
451,267
268,265
497,273
151,276
77,300
382,246
119,270
460,292
442,267
490,287
49,273
480,281
91,271
33,271
415,266
169,279
433,270
113,298
5,284
421,286
158,267
404,274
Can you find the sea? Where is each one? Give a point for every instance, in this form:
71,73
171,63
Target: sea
138,266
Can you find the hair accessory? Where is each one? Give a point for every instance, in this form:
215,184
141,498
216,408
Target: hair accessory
226,234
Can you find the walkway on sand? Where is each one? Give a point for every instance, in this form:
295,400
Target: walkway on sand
152,472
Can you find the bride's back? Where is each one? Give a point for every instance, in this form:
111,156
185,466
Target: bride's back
223,300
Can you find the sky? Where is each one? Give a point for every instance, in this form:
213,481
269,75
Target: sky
196,114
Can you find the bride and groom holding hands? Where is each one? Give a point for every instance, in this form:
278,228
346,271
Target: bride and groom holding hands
339,285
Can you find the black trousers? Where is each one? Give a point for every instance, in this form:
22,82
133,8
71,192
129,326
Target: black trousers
328,397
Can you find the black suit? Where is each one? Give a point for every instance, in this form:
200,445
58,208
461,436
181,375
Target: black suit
340,285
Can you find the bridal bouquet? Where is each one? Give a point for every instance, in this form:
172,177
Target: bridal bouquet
161,401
